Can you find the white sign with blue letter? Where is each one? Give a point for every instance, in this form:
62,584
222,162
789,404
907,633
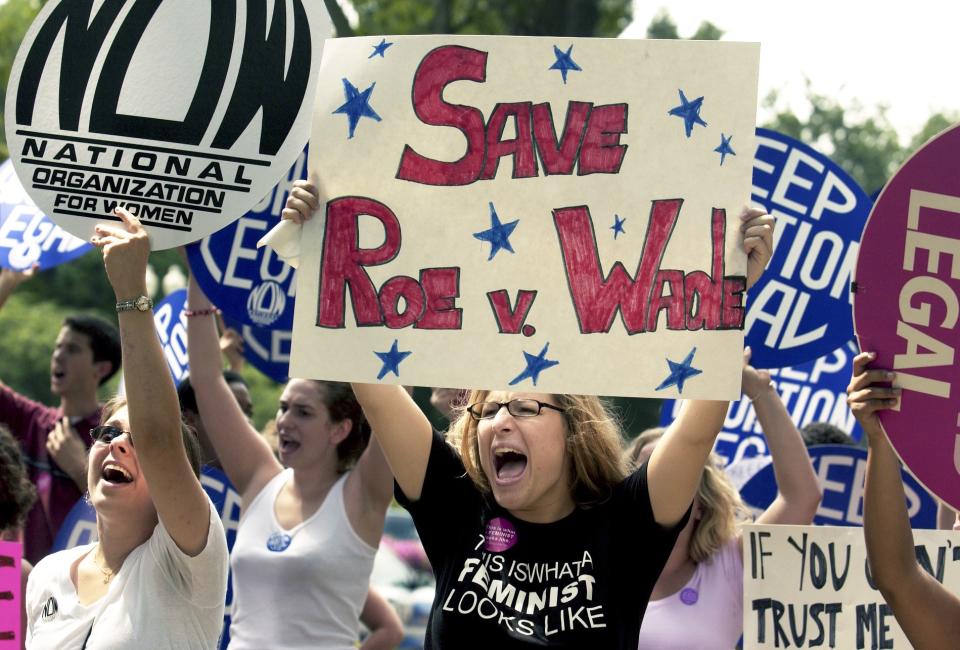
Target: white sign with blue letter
812,392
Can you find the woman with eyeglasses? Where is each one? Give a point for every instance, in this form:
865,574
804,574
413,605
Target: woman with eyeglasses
536,532
157,577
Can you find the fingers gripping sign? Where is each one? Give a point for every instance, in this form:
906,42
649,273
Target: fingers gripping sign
303,201
870,391
126,248
757,233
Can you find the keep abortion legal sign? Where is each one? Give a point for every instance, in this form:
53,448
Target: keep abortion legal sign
511,212
907,307
185,113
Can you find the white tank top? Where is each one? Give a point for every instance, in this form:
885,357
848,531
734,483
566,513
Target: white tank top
309,590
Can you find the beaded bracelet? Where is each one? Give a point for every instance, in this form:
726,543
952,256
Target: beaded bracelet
190,313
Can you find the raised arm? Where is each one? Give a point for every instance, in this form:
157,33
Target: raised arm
676,464
928,614
151,397
399,426
402,430
10,280
244,454
798,492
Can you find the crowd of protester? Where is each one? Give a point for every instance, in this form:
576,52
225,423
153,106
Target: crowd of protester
546,476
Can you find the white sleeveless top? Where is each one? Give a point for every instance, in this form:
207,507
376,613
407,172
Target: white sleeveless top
309,591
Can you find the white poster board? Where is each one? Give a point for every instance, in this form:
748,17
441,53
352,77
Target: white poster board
548,214
809,587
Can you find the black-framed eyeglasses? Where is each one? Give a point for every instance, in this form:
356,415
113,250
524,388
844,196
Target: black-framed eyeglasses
518,408
105,433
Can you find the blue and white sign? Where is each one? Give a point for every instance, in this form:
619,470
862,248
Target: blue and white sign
250,285
227,502
267,349
171,325
800,309
79,527
840,471
27,236
815,391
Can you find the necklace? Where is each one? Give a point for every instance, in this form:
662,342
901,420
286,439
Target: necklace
106,572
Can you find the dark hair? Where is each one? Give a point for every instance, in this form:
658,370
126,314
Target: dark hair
188,397
104,339
342,405
824,433
17,493
189,435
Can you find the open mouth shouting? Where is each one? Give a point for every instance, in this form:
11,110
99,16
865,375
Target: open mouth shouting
509,465
287,445
113,473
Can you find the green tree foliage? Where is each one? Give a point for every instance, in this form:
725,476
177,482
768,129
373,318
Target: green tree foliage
15,19
861,141
525,18
662,26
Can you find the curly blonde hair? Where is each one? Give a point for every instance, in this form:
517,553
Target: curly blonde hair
721,508
594,442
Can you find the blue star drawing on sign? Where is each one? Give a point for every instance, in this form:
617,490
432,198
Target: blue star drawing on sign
535,365
564,62
689,111
357,105
680,372
617,226
498,234
391,360
380,49
725,148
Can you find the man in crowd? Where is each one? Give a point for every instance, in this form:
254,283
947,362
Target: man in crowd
54,440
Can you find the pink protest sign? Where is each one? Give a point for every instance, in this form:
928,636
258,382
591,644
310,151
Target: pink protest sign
11,554
906,309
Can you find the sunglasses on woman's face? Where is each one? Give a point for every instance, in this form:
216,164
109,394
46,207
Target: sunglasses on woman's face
105,433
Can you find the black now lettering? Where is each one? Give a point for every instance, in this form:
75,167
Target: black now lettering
263,83
82,38
104,117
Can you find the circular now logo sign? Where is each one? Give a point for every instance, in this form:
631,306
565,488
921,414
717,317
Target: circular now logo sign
799,310
184,113
907,309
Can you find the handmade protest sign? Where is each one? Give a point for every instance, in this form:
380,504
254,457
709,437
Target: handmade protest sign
506,213
266,348
810,587
815,391
11,636
840,471
800,309
249,284
27,236
906,309
185,113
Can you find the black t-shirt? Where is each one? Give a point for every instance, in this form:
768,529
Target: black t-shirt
581,583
